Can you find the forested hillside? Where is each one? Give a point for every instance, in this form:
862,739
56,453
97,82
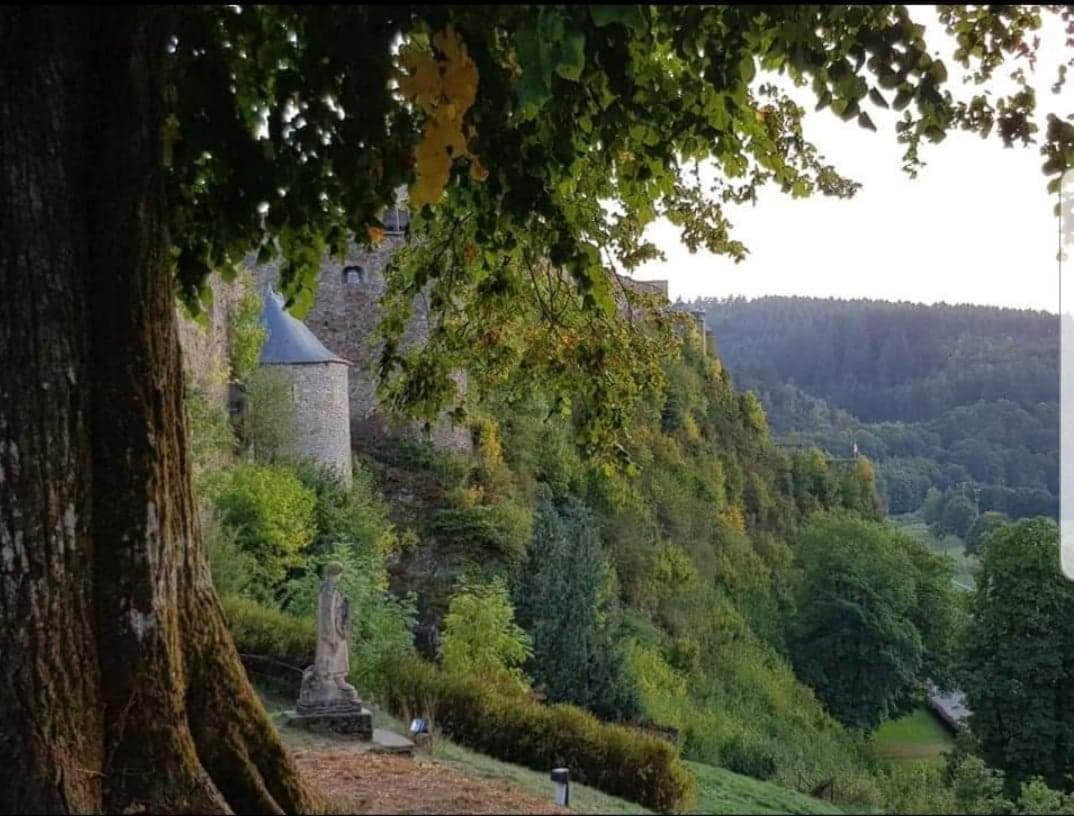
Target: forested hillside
703,596
960,399
624,575
666,591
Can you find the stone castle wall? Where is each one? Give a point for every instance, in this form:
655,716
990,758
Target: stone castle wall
322,422
205,346
344,317
345,314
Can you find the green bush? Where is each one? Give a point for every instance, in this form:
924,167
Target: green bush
355,515
915,787
233,569
481,638
271,514
514,728
246,335
212,439
261,630
740,707
482,529
269,420
749,757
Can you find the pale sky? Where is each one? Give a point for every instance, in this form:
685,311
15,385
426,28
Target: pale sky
975,226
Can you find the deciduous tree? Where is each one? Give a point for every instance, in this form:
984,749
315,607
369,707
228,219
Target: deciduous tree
142,148
1018,661
875,618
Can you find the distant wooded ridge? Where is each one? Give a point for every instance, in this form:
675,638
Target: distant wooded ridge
960,398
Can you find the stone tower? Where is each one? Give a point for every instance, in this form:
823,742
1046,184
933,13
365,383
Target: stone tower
319,390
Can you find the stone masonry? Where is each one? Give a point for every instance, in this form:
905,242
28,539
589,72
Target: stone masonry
205,347
344,318
322,432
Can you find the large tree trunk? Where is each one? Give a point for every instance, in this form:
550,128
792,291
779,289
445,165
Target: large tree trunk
120,687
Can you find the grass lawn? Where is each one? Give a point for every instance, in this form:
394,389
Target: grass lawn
583,799
917,737
721,791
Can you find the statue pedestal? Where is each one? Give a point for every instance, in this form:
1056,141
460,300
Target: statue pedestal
356,720
329,702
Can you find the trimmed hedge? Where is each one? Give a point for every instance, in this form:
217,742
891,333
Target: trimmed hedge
611,758
513,728
260,630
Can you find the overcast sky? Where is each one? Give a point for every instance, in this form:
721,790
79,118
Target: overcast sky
975,226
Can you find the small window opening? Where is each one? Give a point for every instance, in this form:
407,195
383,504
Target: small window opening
353,275
395,221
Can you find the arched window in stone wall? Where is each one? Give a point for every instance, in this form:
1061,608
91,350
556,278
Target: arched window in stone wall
353,275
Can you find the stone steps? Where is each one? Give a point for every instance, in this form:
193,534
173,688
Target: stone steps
388,742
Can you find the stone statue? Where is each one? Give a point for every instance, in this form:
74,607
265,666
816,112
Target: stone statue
326,695
332,660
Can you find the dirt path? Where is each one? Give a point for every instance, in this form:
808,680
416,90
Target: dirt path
358,782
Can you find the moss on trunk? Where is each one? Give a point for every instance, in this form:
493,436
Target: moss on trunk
124,689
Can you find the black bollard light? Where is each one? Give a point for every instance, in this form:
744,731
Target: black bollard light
562,779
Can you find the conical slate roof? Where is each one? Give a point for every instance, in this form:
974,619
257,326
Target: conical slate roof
289,342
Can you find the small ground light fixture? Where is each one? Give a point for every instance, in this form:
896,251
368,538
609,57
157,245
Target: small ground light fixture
561,777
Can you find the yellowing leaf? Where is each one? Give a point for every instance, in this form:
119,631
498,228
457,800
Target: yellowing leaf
478,171
444,86
422,85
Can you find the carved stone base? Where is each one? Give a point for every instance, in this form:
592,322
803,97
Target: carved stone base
321,690
357,722
331,703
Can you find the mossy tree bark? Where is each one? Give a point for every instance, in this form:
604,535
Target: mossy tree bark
120,687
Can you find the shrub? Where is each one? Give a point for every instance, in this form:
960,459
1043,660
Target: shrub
269,421
356,515
514,728
271,514
1037,797
742,707
481,638
234,570
978,788
745,755
483,530
261,630
246,335
211,437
